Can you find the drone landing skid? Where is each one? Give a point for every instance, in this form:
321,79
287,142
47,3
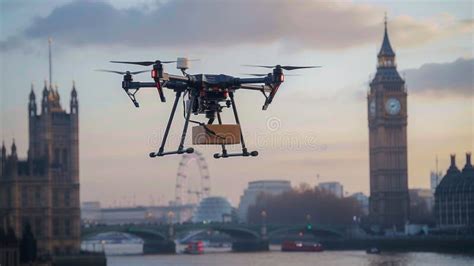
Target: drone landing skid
227,155
188,150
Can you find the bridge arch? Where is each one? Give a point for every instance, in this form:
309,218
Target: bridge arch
143,233
317,231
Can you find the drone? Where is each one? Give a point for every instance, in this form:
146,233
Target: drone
207,94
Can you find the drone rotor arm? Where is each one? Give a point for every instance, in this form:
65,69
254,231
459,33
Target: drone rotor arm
263,88
241,81
167,76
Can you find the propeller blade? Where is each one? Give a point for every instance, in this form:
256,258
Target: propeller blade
264,75
111,71
284,67
259,66
298,67
143,63
122,73
255,75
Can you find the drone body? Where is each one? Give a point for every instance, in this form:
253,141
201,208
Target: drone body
205,94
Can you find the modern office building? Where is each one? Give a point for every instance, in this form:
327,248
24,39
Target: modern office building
90,212
137,215
363,201
255,188
212,209
422,194
435,178
334,188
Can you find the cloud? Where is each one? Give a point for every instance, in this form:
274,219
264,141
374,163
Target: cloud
454,78
296,24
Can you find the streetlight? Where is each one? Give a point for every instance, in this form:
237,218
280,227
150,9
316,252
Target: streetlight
309,226
102,242
170,219
264,225
264,215
170,216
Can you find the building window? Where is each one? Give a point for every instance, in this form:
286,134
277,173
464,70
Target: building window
24,221
55,198
24,197
56,227
38,197
65,159
38,227
67,198
9,198
67,227
56,156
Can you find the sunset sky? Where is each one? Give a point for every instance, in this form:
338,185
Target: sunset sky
317,124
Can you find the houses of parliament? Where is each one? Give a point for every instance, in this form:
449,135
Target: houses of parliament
42,191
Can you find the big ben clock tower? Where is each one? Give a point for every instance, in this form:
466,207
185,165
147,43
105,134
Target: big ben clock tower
387,115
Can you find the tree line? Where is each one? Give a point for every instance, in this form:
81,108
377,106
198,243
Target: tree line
304,204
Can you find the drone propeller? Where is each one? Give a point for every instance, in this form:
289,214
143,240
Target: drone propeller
284,67
255,75
122,73
143,63
264,75
148,63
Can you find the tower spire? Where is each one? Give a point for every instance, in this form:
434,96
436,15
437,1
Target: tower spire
50,62
386,49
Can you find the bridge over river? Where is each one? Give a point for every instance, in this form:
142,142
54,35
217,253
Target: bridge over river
160,238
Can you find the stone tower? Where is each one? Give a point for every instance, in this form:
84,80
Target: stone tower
43,190
387,115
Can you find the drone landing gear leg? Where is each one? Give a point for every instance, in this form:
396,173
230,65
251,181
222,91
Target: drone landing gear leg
185,129
167,130
244,153
224,150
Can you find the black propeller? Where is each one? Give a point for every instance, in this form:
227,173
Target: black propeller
255,75
148,63
143,63
284,67
123,73
264,75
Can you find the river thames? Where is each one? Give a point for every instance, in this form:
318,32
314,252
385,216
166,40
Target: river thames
277,258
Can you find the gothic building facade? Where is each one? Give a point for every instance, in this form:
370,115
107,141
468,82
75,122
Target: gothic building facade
43,190
387,116
454,197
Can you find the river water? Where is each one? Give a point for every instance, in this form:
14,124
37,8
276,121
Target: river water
276,258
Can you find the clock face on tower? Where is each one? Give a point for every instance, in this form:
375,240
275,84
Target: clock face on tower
392,106
372,107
